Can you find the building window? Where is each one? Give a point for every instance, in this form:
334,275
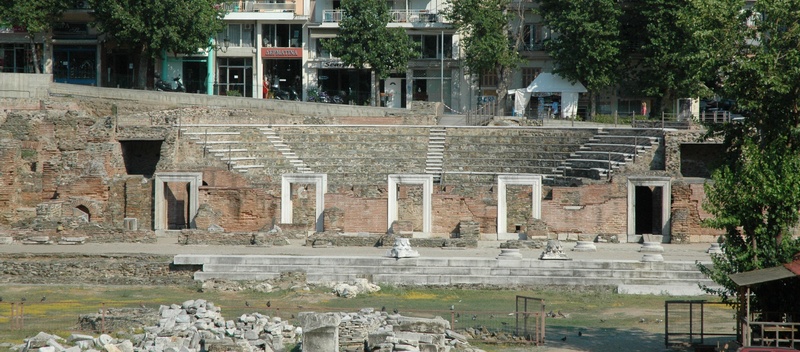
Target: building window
282,35
489,79
529,74
430,46
321,52
238,35
534,36
235,76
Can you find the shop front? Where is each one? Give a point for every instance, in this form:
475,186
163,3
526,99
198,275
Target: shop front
351,84
193,70
283,72
75,64
234,76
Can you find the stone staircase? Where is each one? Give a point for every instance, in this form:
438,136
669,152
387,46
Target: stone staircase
646,277
477,155
367,154
243,148
608,151
435,161
285,150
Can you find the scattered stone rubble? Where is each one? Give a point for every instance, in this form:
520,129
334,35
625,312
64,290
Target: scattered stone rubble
378,331
197,325
357,287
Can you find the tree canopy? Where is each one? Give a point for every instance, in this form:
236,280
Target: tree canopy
364,40
487,46
36,16
755,198
152,27
588,45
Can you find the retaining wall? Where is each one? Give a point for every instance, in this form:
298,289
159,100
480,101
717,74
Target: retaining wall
24,85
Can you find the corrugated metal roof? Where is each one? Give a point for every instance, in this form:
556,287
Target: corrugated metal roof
763,275
793,267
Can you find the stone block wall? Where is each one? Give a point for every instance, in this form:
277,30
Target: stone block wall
67,269
72,155
688,214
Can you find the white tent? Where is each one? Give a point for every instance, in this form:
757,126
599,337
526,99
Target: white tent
550,83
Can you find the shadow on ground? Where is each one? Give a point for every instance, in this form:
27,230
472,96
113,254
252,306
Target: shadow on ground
602,340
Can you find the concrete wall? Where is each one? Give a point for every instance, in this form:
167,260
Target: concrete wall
186,99
24,85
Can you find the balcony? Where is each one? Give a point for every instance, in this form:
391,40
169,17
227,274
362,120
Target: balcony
415,16
260,6
532,47
397,16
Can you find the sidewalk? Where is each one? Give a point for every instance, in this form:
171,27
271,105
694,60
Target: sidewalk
486,249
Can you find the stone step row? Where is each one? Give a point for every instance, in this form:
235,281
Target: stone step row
451,271
458,271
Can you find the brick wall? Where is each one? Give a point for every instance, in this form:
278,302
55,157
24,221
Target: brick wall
72,156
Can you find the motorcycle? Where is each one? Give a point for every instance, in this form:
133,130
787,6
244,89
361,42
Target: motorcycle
321,97
339,98
163,86
281,94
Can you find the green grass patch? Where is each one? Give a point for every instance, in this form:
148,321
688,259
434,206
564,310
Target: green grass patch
581,308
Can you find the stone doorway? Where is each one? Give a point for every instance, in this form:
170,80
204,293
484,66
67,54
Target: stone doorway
320,182
426,181
503,181
649,209
175,200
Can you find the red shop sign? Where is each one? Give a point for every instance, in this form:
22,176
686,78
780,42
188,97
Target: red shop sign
282,52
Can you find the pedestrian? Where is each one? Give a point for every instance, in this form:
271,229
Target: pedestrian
644,108
555,108
266,87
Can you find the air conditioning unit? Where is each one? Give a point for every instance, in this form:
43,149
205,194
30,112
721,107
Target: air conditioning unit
81,5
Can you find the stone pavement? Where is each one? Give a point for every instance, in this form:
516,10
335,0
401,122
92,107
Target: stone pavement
488,249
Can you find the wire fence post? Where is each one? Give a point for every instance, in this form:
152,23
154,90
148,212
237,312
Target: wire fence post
102,317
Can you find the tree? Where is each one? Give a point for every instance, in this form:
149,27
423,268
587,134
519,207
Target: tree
154,27
488,42
588,42
664,40
365,41
755,198
37,17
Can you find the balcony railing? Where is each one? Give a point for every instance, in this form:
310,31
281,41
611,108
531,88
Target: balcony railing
398,16
532,47
260,6
415,16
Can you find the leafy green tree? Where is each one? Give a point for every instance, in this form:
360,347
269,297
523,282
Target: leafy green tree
488,48
756,197
37,17
668,46
588,41
365,41
152,27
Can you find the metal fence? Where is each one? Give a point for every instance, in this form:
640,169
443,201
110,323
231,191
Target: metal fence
698,322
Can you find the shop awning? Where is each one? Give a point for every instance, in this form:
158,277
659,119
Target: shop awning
324,33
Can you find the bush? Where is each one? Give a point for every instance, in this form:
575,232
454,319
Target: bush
609,119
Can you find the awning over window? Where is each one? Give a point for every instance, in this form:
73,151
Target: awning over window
324,33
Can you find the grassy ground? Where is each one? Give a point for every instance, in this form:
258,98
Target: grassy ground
606,321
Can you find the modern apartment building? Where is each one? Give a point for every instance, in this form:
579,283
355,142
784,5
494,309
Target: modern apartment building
280,42
71,56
